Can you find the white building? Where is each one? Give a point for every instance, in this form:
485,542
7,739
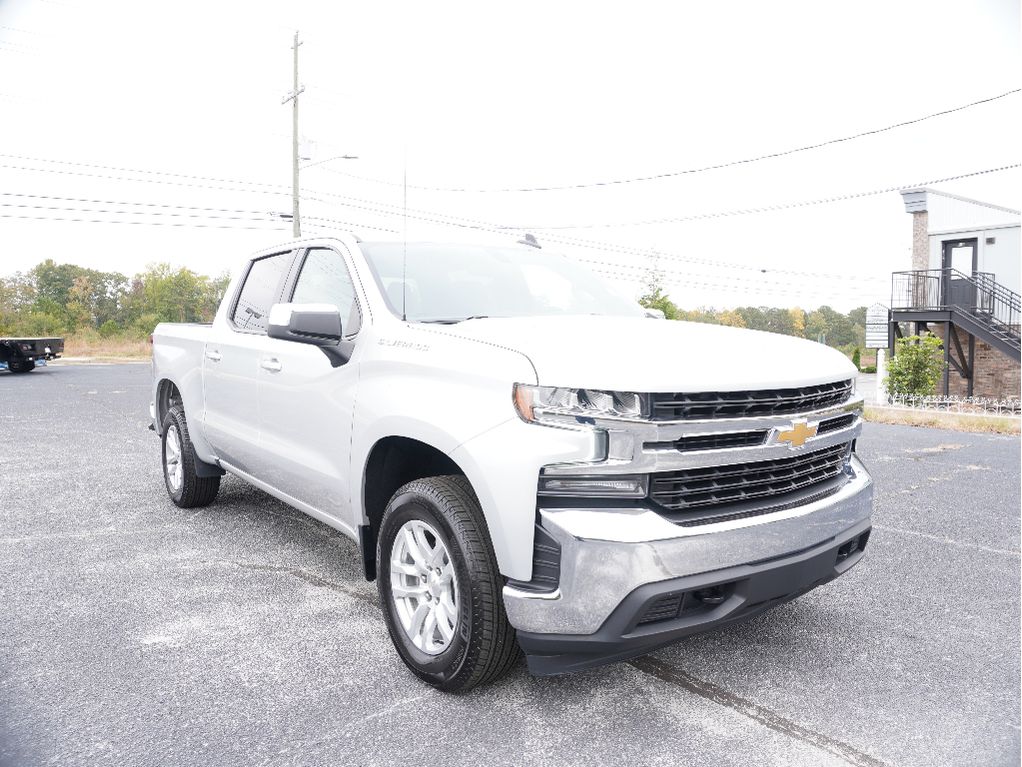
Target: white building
964,286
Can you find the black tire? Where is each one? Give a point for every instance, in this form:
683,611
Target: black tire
194,491
483,647
21,366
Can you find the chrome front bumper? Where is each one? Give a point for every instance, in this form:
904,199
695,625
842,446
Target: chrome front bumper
607,554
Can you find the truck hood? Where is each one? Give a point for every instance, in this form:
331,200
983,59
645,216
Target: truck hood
647,355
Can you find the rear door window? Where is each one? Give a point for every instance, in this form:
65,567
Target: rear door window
259,292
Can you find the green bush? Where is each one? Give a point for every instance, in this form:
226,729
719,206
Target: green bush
41,324
916,367
144,325
109,329
868,369
857,358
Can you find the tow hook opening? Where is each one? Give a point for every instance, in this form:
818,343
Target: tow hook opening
857,543
714,595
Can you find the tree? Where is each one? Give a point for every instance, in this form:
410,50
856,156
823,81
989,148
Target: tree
731,318
916,367
857,316
78,308
655,298
798,322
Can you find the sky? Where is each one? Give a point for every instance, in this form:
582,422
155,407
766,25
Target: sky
160,128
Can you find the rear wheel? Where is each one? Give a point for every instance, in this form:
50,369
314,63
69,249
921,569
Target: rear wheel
440,587
185,488
21,366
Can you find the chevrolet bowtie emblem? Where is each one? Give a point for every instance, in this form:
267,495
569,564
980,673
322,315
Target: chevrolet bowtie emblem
797,435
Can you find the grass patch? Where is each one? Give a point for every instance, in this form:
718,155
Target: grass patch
115,347
992,424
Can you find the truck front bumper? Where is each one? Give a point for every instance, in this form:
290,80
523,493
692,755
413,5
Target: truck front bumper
631,581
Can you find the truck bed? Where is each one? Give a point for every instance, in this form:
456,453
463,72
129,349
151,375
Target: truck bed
27,352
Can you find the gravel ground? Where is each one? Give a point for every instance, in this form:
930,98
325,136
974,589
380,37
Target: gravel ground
135,633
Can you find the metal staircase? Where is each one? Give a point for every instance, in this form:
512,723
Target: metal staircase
976,303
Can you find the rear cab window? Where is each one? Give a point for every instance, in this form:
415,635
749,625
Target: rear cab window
259,292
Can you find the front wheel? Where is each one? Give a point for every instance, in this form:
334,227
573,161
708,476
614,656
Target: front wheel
440,587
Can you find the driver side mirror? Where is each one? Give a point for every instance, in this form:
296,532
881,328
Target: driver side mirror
313,324
316,324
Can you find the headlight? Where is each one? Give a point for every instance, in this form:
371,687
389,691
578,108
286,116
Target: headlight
539,404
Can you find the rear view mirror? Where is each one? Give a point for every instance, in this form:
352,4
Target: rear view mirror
313,324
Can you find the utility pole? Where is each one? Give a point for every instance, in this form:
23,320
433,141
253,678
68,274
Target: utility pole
293,98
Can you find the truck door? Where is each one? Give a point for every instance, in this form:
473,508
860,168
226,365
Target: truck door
230,364
305,404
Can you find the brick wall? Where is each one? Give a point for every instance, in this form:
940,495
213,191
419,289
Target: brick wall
996,376
920,240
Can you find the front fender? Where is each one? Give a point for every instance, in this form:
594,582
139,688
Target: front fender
503,465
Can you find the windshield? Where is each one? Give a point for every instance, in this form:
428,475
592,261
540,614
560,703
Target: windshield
451,283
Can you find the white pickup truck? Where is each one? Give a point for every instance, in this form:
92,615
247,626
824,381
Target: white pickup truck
525,459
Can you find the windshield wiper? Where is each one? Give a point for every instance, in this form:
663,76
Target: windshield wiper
455,320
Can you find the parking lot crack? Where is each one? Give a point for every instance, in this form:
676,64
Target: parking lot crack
308,577
667,673
948,541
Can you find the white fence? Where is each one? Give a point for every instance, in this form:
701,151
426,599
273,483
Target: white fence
983,405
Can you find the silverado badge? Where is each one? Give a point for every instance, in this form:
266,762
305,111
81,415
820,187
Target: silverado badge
797,435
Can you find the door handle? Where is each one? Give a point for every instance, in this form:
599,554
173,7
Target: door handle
213,356
272,364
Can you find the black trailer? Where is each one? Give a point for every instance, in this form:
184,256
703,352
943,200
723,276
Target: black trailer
21,355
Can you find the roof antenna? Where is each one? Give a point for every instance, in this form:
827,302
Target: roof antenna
404,237
531,241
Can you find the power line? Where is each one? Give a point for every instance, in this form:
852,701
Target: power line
348,223
120,212
22,31
772,208
482,225
728,288
145,180
803,282
141,171
467,223
128,202
859,297
702,169
190,224
442,219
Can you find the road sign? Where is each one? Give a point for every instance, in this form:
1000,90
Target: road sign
877,318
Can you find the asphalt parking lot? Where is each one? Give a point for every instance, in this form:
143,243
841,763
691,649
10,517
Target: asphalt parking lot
135,633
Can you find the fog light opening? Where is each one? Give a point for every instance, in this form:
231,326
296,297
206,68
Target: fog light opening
864,539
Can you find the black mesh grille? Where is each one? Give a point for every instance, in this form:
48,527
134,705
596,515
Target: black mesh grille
705,488
719,441
835,424
744,404
663,609
546,564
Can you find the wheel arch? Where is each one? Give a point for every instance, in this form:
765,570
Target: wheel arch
394,461
167,395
